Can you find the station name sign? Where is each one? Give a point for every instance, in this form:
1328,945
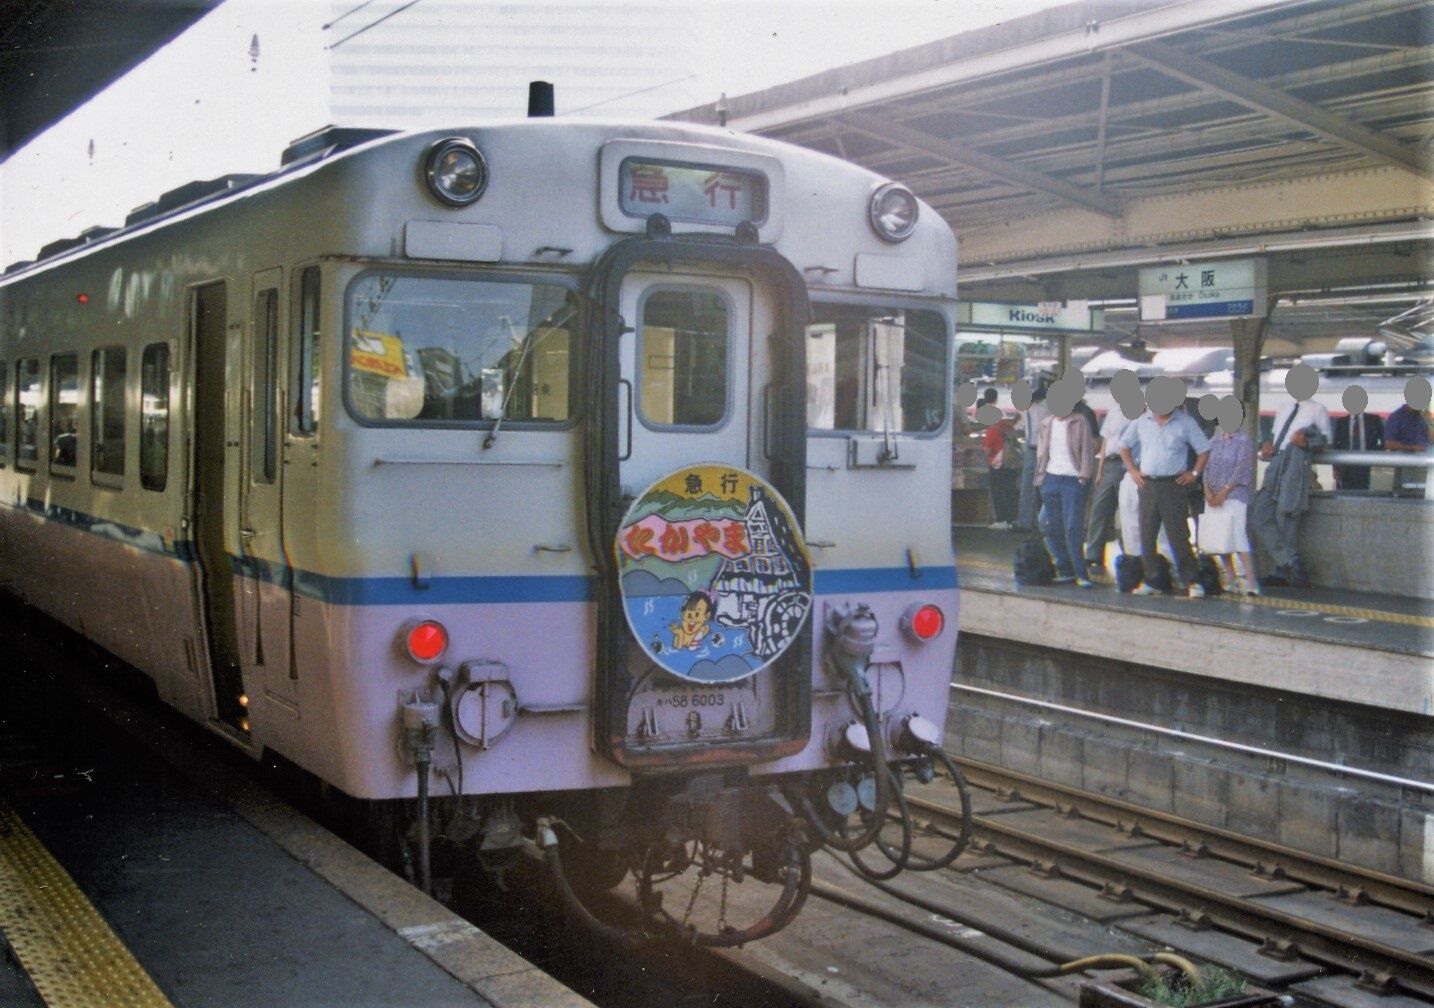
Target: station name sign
1052,316
1231,288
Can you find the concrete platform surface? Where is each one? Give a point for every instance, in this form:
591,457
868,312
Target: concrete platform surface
1349,646
215,911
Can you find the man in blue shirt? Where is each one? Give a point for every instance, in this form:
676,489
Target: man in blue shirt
1405,430
1165,440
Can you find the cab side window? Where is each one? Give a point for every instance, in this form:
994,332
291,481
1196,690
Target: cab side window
265,393
304,357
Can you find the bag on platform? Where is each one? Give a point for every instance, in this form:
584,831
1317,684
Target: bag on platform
1127,572
1162,579
1032,564
1209,574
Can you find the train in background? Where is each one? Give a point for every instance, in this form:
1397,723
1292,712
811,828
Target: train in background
564,465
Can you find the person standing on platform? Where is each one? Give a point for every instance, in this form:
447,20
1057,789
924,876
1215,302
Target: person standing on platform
1105,492
999,440
1228,480
1065,463
1359,431
1165,436
1301,426
1034,411
1406,429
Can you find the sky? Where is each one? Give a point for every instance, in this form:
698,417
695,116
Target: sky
232,91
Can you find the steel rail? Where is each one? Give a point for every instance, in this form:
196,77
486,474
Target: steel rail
1241,916
1271,859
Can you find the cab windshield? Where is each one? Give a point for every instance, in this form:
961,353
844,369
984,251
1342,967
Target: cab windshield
876,368
438,351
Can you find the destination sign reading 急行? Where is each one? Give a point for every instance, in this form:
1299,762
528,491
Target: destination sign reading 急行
700,194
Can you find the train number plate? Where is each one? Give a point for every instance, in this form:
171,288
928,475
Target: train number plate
696,699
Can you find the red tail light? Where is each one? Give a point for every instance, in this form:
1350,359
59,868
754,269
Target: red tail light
426,641
924,622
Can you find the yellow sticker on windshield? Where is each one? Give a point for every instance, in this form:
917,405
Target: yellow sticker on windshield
377,353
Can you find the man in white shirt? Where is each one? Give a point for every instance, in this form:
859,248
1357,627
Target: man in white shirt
1030,504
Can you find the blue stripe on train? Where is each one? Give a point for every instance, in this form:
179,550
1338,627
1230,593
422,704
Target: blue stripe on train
460,589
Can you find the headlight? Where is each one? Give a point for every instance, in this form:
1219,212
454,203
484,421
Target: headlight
456,172
893,211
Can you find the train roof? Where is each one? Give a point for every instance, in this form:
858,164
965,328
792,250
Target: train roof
326,144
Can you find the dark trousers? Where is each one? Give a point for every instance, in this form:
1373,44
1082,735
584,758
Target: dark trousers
1163,502
1030,494
1104,499
1063,522
1003,494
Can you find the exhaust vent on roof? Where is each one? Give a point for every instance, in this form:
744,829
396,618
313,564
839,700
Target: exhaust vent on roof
189,194
15,267
328,139
97,232
56,247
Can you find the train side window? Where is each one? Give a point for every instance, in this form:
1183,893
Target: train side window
305,356
4,412
876,368
64,406
266,368
683,358
107,412
154,417
27,413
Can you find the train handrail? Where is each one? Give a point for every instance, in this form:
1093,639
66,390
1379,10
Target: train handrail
1386,459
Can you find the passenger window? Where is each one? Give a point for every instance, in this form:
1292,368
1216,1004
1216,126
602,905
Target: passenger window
4,413
266,369
872,368
683,358
154,417
27,412
64,407
304,357
107,412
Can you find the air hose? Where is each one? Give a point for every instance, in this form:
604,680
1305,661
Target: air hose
854,636
916,862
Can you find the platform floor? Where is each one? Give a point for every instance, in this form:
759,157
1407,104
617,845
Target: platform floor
1380,622
125,882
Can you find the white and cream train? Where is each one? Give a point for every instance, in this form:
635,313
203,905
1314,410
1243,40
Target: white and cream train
577,445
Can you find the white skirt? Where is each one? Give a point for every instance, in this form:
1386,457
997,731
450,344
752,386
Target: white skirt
1222,529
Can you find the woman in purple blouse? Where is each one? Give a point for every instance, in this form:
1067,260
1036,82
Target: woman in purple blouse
1222,530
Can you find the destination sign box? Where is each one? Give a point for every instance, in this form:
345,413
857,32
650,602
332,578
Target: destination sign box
1233,288
701,194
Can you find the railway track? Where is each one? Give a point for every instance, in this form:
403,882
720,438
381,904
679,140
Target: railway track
1293,905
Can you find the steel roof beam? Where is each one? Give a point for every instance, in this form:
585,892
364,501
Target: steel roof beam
945,150
1252,94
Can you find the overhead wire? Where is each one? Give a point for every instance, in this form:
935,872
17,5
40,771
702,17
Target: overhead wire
374,23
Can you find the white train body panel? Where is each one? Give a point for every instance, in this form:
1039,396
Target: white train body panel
366,528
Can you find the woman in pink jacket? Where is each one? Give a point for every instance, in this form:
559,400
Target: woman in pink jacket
1065,463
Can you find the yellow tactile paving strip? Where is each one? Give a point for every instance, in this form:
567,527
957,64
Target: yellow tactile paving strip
1377,615
72,956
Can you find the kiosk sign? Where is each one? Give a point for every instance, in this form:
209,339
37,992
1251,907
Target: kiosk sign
1234,288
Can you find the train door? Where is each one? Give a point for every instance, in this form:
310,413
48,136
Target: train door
685,375
213,515
695,403
264,627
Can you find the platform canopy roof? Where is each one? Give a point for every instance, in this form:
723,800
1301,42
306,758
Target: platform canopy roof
1080,141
